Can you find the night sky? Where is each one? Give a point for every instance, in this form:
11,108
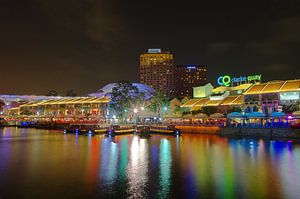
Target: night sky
84,44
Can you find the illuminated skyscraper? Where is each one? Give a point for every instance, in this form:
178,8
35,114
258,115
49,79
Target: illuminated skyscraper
186,77
156,70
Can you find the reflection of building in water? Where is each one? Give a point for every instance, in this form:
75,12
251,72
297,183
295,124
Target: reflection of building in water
165,162
124,157
137,169
93,162
109,162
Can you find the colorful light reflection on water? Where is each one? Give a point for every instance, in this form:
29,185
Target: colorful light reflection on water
48,164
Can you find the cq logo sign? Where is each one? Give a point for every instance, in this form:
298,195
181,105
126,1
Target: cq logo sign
224,80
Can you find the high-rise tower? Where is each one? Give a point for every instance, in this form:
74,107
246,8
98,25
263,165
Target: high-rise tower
156,70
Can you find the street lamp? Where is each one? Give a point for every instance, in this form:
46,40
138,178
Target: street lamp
142,108
135,110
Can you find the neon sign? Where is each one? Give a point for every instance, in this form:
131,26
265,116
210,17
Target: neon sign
226,80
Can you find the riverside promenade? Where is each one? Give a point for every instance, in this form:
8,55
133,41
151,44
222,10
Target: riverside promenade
291,133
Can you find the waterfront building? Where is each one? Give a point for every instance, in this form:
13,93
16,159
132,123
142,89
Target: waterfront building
271,96
266,97
64,109
156,70
186,77
13,101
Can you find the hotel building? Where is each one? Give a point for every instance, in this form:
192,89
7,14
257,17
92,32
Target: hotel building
186,77
156,70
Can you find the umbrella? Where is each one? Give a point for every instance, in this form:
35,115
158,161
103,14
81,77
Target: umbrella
94,116
255,115
296,114
201,115
277,114
217,115
172,116
188,116
235,115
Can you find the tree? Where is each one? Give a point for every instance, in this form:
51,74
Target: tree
2,104
208,110
184,100
290,108
158,102
123,97
179,110
52,93
71,93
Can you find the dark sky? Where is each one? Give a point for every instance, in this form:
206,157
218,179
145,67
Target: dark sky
84,44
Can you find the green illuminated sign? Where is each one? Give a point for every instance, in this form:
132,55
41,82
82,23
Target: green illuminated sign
226,80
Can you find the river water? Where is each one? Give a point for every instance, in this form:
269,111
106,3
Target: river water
49,164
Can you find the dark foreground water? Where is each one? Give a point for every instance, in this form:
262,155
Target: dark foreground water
48,164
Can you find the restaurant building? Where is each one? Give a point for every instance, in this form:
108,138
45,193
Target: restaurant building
271,96
64,109
248,97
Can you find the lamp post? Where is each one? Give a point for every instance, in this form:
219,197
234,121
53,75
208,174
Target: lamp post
135,111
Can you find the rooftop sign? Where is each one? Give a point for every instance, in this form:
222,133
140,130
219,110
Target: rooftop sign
154,50
190,67
227,80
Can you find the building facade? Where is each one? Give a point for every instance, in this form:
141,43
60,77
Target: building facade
66,109
186,77
156,70
269,97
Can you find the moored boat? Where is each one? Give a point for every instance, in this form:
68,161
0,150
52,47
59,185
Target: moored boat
165,129
120,130
143,131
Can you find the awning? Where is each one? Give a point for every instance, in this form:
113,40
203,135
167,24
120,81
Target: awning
190,103
274,87
201,102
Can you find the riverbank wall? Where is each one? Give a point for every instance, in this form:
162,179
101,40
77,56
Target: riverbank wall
199,129
261,132
288,133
